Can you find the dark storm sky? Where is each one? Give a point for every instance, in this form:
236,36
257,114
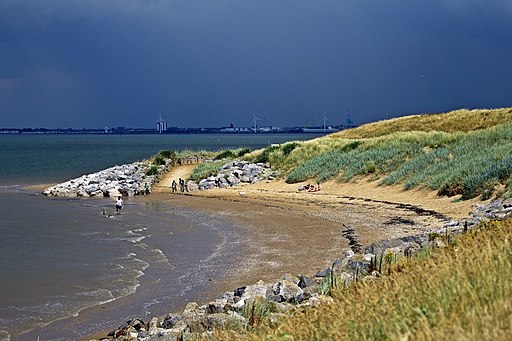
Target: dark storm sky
96,63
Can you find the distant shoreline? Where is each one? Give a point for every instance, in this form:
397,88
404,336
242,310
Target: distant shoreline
184,131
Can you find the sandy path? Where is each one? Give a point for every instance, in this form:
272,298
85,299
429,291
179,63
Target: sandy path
176,172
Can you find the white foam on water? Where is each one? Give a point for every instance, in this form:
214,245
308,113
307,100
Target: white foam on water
4,335
32,317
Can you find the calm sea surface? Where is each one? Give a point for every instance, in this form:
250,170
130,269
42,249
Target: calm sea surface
67,271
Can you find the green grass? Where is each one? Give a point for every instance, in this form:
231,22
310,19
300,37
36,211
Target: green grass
220,158
152,170
466,163
206,169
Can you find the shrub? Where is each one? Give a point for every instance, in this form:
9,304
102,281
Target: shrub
168,154
243,151
264,157
368,168
289,147
227,154
159,160
153,170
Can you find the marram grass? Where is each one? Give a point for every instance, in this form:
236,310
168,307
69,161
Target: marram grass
452,160
463,152
452,122
461,292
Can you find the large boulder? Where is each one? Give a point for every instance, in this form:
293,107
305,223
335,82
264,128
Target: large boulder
289,291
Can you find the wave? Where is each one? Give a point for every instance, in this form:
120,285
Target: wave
4,335
29,318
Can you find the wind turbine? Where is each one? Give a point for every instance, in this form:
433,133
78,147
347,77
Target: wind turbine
254,120
350,123
325,119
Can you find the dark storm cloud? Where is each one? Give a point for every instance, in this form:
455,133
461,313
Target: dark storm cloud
210,63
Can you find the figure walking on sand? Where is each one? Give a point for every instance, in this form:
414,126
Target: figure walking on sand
174,186
182,185
119,205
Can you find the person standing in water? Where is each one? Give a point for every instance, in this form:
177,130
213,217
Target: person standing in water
119,205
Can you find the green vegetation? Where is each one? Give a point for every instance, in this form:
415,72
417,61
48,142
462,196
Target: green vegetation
195,153
227,154
167,154
244,151
231,154
159,160
289,147
463,293
452,161
152,170
206,169
264,156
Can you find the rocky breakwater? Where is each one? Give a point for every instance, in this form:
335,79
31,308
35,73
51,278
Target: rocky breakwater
124,180
240,308
236,172
385,251
236,309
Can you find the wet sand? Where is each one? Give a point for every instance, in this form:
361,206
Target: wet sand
300,233
286,231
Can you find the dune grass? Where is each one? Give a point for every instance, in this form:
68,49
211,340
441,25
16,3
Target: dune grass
206,169
451,122
458,153
217,160
461,292
467,164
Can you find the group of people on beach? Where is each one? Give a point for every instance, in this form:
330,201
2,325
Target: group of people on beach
181,182
310,187
174,187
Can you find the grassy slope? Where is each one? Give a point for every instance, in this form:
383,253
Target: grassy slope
460,152
451,122
463,293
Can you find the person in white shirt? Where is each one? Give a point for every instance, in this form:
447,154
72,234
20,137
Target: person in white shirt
119,205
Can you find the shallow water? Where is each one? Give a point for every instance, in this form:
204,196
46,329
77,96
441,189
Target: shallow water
67,271
64,256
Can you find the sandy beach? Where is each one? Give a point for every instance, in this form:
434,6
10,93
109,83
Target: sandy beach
281,230
297,232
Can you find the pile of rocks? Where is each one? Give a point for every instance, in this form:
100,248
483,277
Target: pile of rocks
406,246
126,180
234,308
236,172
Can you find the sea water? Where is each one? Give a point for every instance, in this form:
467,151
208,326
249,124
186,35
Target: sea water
67,271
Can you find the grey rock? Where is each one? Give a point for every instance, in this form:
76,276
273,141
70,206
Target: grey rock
323,273
289,291
170,321
306,282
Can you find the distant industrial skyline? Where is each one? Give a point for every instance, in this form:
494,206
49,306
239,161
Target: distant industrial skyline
206,63
161,127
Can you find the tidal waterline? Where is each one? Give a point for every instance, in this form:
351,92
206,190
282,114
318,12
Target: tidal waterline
67,270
